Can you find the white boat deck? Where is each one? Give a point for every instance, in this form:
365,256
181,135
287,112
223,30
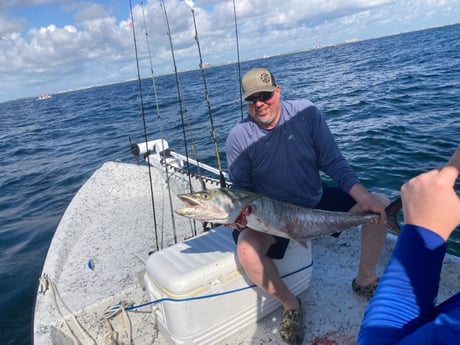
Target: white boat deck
105,236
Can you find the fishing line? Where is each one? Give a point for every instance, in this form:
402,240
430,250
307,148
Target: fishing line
139,80
155,94
206,93
238,58
179,91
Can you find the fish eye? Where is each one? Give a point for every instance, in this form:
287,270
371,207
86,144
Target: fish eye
205,196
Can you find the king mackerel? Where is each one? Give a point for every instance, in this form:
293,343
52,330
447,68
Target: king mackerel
240,208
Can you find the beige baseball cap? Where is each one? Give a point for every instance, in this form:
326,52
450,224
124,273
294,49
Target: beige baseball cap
258,80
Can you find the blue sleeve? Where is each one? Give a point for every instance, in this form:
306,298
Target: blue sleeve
406,295
239,164
330,159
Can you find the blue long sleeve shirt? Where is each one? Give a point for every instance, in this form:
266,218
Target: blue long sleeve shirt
403,310
284,163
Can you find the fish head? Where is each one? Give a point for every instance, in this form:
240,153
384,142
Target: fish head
214,205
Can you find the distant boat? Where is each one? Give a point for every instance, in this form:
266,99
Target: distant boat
44,96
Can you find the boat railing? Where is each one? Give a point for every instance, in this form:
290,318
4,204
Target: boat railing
157,153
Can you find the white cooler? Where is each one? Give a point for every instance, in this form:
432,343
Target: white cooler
202,294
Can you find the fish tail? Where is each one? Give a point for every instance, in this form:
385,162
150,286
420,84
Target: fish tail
392,211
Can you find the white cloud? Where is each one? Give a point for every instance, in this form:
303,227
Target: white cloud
97,47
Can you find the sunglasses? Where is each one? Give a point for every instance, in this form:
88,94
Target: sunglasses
263,97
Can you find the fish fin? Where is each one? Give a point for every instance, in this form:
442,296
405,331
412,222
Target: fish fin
392,212
303,242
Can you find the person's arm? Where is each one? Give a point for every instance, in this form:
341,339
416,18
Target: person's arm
333,163
239,165
429,200
405,297
366,201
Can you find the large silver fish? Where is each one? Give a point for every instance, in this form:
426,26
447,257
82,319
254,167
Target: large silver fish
244,209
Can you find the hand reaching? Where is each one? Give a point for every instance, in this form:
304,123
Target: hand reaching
430,200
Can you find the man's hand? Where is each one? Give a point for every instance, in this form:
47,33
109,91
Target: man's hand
370,202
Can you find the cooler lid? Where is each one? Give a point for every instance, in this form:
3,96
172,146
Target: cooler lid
191,264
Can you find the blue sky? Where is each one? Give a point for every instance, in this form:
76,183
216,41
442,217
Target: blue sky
48,46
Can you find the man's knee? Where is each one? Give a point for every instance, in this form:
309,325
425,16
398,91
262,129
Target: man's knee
252,245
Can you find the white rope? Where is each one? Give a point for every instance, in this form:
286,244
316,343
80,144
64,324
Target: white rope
155,325
110,313
46,283
111,337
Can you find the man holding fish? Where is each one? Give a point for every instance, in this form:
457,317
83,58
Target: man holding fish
279,152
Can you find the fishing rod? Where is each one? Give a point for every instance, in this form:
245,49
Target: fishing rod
139,80
157,106
179,91
181,107
238,59
206,93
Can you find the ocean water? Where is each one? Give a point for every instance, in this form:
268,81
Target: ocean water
392,103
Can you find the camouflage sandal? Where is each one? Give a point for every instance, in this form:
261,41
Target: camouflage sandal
291,326
365,291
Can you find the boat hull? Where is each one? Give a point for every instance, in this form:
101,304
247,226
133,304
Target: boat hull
100,250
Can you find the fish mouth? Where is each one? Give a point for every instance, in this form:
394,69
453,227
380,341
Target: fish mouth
188,201
197,209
